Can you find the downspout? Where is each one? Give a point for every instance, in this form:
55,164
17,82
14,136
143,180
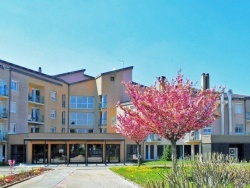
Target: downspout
245,111
68,107
222,106
230,92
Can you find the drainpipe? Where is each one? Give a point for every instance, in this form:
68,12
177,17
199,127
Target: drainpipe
230,92
222,106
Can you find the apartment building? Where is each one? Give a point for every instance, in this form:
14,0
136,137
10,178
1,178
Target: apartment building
65,118
69,118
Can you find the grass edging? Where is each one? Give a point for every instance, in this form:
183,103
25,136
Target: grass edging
122,177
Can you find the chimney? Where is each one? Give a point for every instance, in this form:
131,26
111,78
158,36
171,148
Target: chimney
40,70
205,81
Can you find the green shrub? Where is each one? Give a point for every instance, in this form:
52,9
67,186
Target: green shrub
167,154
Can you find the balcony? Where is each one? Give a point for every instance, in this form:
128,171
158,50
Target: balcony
3,92
192,137
3,115
103,105
103,122
248,116
36,99
3,136
36,119
153,138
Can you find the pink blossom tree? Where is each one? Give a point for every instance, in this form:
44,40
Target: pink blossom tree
175,108
132,125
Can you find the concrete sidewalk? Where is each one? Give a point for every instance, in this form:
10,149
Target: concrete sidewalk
73,176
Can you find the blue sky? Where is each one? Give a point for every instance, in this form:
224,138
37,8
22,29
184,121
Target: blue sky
156,37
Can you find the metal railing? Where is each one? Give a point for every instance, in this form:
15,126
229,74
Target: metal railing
3,136
193,135
247,115
103,105
3,92
37,119
36,98
3,115
152,138
103,122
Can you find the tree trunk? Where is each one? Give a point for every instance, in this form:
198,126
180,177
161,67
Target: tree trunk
138,154
174,156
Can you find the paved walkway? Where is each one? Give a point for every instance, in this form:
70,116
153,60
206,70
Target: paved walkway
77,177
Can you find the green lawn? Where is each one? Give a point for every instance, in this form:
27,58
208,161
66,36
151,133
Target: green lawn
140,175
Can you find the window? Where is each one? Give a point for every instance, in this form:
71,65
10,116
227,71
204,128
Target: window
53,114
104,101
63,130
81,130
12,128
238,108
63,101
103,130
13,85
53,96
63,118
103,120
13,106
112,78
53,129
207,130
239,128
34,129
82,102
85,119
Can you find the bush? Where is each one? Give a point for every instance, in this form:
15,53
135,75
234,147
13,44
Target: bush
211,171
167,154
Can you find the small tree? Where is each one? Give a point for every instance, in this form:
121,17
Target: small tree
132,125
175,108
166,156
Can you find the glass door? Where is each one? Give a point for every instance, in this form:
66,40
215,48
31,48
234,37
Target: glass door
95,153
113,153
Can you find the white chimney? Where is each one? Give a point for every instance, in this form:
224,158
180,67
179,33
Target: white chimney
230,92
222,106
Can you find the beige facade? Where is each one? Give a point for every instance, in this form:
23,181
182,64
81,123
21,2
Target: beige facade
65,118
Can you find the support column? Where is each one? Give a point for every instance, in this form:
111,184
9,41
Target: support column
124,161
86,151
104,152
192,151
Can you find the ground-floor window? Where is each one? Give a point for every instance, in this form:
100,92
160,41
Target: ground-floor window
113,153
149,152
18,153
160,150
77,153
40,153
58,153
95,153
131,153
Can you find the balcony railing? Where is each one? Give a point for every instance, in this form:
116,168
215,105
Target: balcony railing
153,138
36,119
248,116
3,136
3,115
3,92
36,98
103,122
192,136
103,105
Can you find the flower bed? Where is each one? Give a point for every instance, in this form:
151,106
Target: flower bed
6,181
